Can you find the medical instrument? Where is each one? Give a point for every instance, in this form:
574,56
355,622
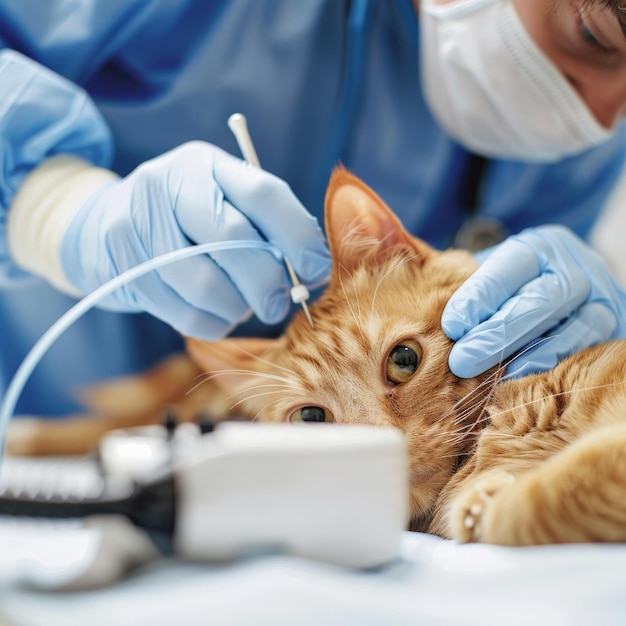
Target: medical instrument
329,493
239,126
38,351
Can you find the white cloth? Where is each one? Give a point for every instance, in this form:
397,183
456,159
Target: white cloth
434,582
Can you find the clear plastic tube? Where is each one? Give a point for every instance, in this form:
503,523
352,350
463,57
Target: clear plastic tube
47,340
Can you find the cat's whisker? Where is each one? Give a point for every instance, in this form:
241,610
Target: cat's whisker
465,425
247,390
479,390
260,359
474,397
204,378
483,416
461,429
452,440
229,372
498,373
504,363
566,392
460,415
250,397
460,433
216,374
393,268
264,408
291,373
456,435
345,294
286,385
491,381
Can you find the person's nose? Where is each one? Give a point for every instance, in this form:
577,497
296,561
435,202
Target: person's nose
604,94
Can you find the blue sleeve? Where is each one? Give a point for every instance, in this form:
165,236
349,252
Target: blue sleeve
78,38
572,192
41,114
73,38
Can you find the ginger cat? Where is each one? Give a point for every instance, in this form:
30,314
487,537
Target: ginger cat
527,461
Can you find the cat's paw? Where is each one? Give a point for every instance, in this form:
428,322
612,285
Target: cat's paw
468,510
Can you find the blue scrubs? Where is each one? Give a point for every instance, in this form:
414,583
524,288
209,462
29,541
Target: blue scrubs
320,81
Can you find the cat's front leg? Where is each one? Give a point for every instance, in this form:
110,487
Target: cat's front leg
470,518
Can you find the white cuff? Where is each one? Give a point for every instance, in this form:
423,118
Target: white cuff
42,210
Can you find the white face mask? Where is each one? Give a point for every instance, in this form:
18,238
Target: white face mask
493,89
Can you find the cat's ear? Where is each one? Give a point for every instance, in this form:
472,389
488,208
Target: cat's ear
232,360
359,223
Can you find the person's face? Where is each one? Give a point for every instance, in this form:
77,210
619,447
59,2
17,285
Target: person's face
587,43
585,40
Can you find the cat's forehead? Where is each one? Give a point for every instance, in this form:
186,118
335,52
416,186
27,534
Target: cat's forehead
401,268
353,336
363,312
403,288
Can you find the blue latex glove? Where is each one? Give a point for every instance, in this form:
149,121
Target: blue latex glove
196,193
542,283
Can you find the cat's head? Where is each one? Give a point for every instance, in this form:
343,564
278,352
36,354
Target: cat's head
376,353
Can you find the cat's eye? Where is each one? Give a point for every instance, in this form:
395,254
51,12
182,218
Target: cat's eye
311,415
403,361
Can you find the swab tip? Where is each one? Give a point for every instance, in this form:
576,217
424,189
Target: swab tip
237,121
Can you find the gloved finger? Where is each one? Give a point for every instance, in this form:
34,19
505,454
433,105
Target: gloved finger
272,207
167,305
592,324
538,307
197,280
259,277
201,283
510,266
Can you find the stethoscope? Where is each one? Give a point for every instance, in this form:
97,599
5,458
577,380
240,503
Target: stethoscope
477,232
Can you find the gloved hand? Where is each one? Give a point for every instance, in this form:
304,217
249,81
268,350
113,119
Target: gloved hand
544,284
196,193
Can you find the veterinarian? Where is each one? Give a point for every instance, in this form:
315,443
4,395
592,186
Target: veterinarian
480,117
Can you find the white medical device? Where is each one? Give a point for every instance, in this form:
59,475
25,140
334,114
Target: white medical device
332,493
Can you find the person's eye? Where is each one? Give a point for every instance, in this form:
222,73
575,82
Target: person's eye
587,35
